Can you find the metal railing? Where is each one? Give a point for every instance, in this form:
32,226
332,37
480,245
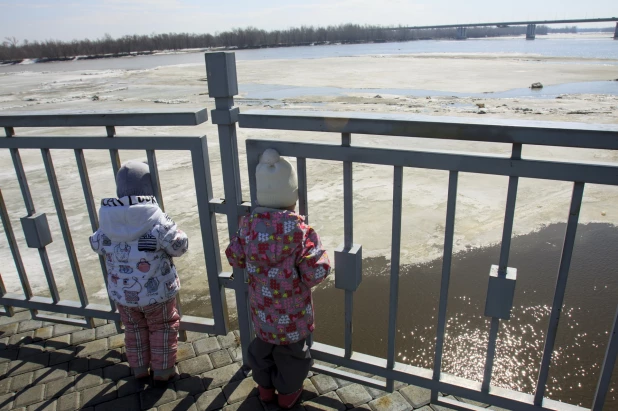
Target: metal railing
221,71
36,228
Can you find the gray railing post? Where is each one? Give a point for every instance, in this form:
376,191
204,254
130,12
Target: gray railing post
223,86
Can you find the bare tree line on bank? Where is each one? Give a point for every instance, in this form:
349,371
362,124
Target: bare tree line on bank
14,51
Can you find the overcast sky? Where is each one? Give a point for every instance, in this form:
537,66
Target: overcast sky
78,19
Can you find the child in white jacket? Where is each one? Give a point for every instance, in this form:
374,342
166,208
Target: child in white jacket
138,240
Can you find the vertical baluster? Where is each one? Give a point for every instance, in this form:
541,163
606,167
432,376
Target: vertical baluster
394,281
27,197
64,227
507,231
608,367
449,232
303,205
561,282
92,214
154,177
348,240
113,153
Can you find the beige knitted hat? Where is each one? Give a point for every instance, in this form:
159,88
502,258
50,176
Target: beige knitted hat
277,186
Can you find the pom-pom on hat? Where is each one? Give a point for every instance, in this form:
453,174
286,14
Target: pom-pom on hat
133,179
277,186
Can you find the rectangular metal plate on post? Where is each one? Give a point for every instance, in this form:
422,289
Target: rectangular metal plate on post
36,230
348,267
500,293
225,116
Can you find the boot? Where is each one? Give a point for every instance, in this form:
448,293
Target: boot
266,394
287,401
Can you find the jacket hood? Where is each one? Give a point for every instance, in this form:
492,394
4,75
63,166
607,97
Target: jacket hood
277,231
127,218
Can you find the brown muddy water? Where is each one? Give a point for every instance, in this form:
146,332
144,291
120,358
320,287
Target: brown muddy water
589,308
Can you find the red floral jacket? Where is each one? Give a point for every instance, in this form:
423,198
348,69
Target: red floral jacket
284,258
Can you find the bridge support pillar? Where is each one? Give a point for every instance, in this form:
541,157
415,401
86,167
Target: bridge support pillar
531,33
462,33
616,32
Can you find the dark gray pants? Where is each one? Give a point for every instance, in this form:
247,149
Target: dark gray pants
283,367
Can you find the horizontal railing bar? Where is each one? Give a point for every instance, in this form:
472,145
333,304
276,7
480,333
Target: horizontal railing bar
483,164
500,397
63,118
80,322
218,205
187,322
102,143
451,128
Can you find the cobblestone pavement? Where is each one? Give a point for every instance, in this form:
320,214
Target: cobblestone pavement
55,367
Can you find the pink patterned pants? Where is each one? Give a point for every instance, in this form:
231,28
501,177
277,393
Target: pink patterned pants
151,334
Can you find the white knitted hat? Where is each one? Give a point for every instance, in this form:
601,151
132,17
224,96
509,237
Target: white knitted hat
277,186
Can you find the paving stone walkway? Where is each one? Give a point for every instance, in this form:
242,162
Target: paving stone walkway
56,367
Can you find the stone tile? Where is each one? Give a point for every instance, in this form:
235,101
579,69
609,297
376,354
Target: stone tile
189,386
60,387
62,329
472,402
353,395
6,330
220,358
116,372
78,366
99,322
324,383
97,395
376,393
206,346
309,391
130,385
4,367
105,358
185,404
29,325
326,402
240,391
235,353
5,385
436,407
68,402
7,356
49,405
251,404
44,333
56,343
416,396
4,343
210,400
343,383
156,396
30,396
193,336
29,350
185,351
115,341
45,375
61,355
6,401
105,331
228,341
390,402
222,376
82,336
195,365
31,364
125,403
362,407
89,379
21,381
84,350
22,338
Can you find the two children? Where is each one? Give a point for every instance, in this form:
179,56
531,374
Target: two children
284,259
282,255
137,241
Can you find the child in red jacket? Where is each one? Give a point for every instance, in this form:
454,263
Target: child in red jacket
284,259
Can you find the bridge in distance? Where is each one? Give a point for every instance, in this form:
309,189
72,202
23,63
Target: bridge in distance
530,34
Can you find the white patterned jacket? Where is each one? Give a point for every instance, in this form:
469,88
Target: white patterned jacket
138,240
